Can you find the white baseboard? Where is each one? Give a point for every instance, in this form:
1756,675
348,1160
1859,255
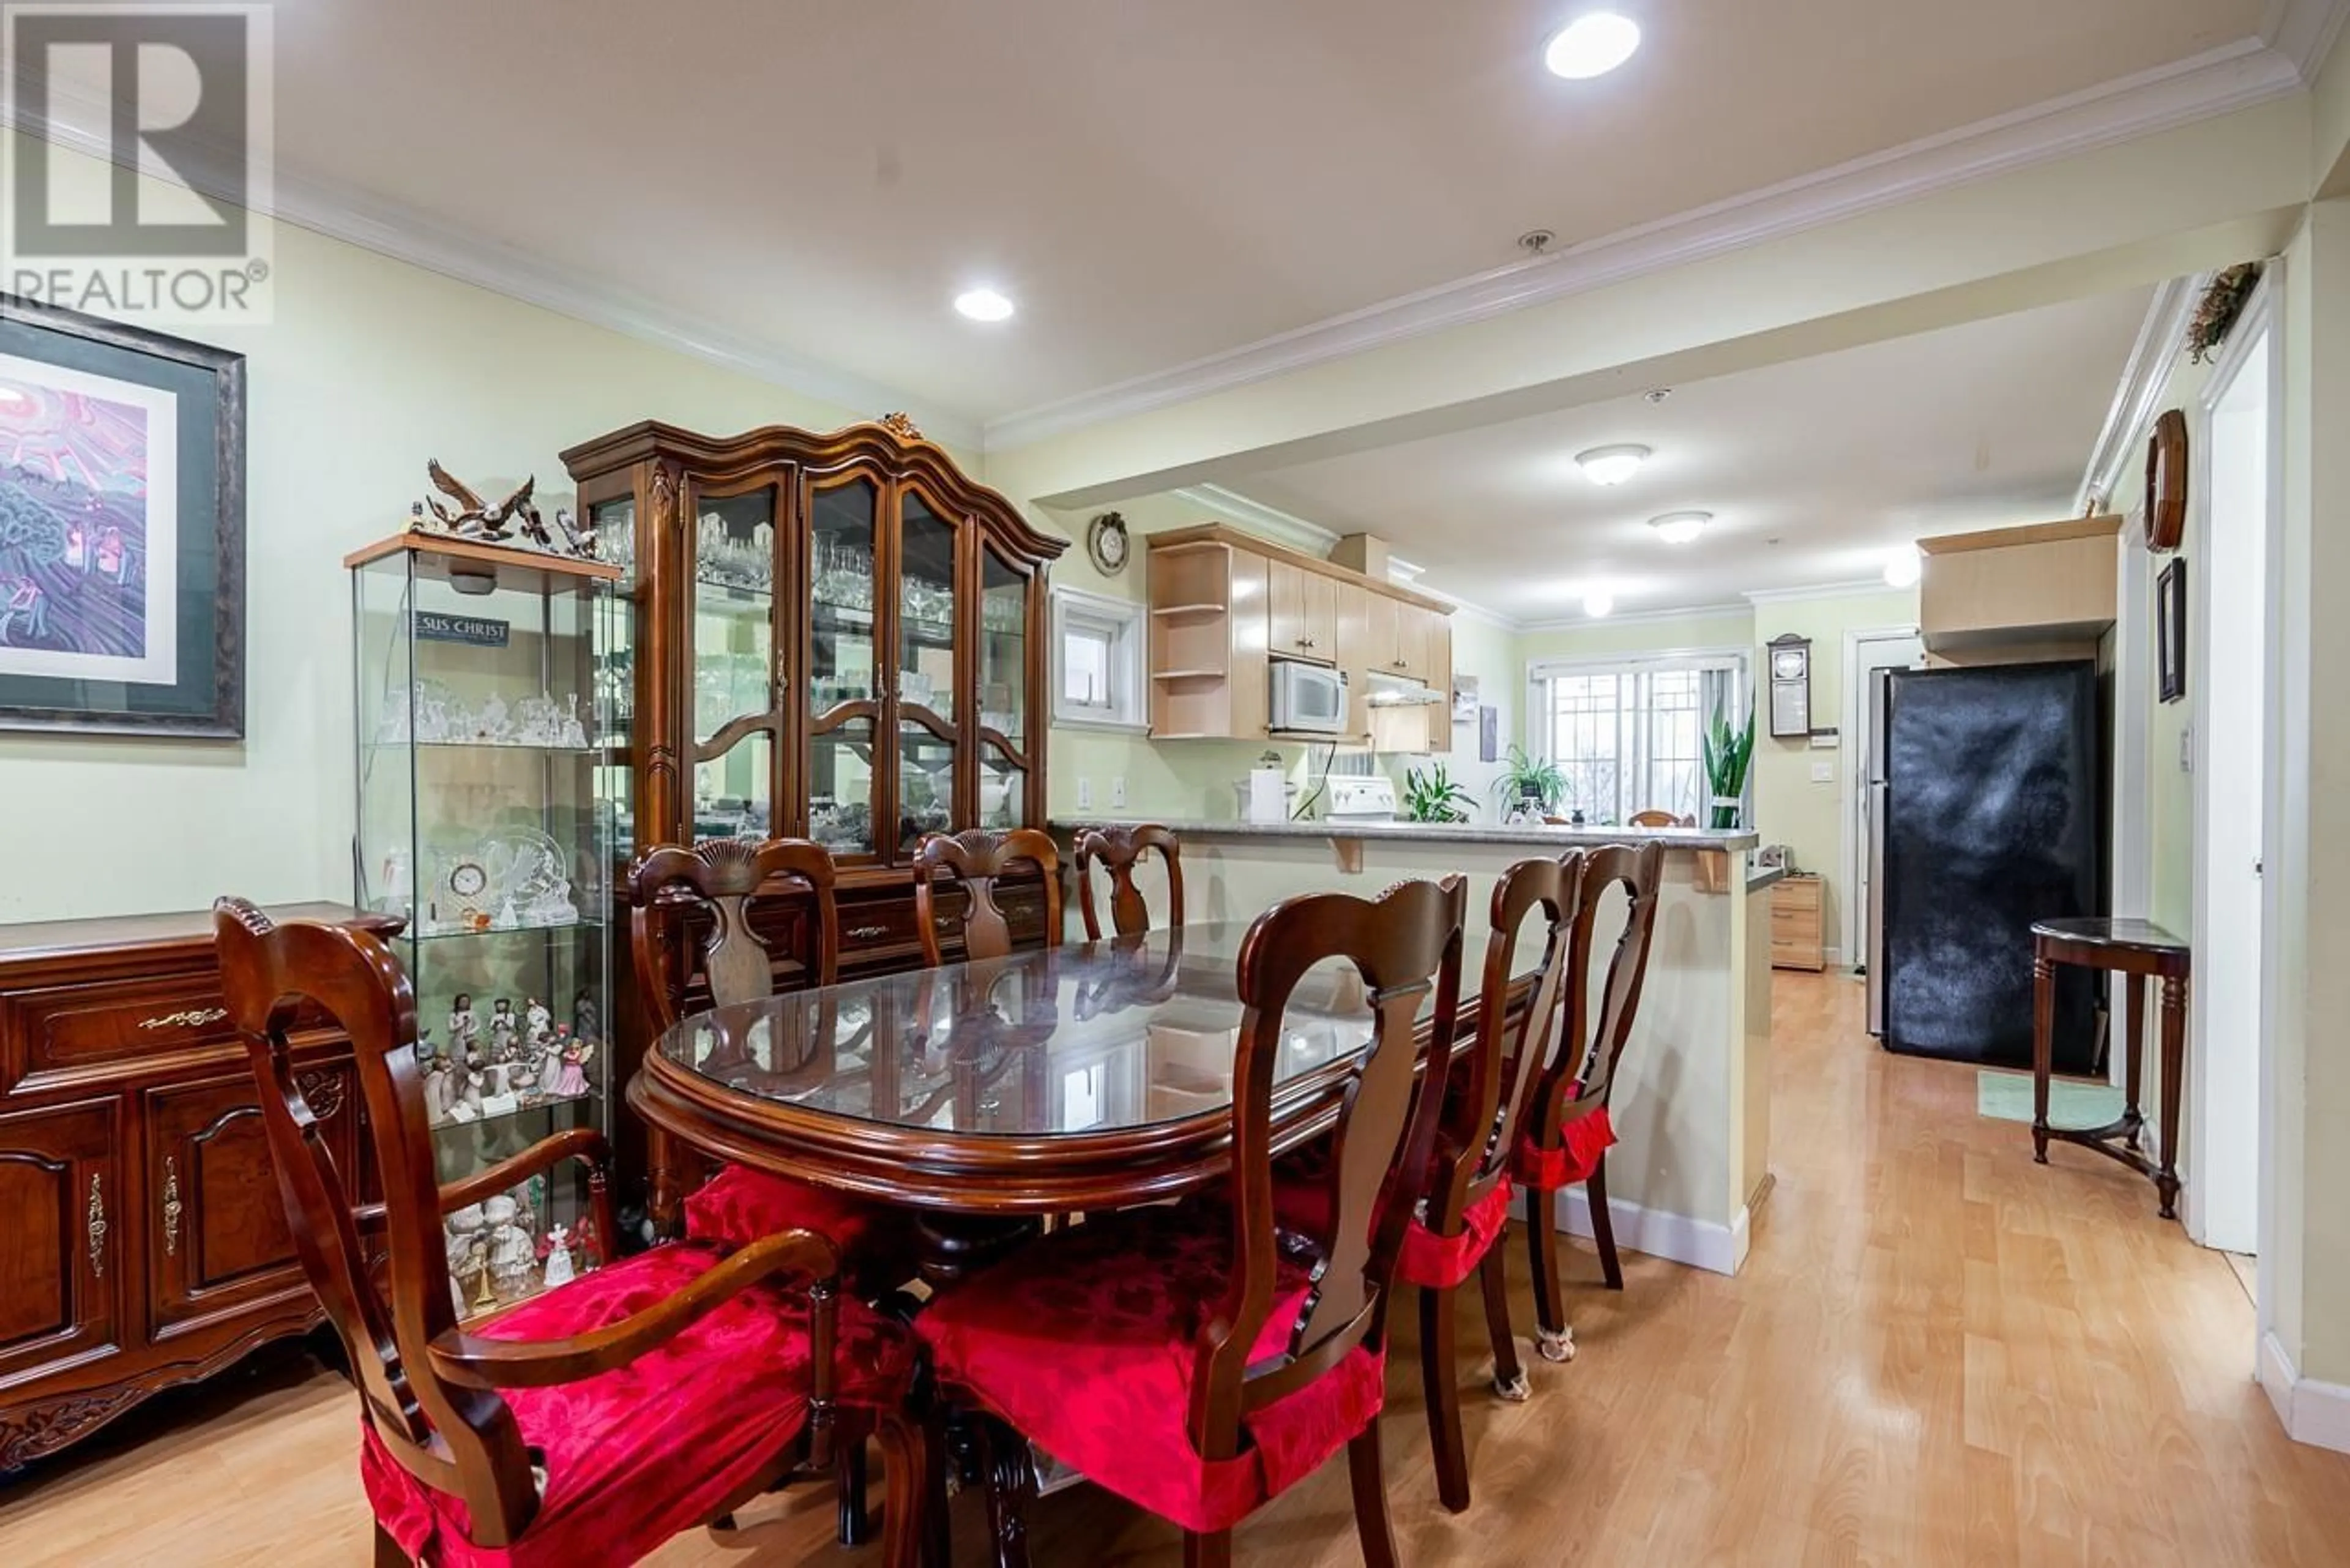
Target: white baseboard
2314,1413
1677,1237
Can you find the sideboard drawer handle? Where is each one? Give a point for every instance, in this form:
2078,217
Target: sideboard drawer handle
867,933
193,1018
171,1205
94,1224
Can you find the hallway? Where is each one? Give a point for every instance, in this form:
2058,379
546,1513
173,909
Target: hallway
1938,1353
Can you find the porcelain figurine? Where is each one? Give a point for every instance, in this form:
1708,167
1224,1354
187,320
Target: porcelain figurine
587,1025
557,1269
462,1027
573,1080
538,1022
512,1253
502,1030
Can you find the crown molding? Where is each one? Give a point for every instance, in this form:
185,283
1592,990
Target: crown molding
1267,521
2232,77
1857,588
1639,618
2161,337
77,121
2304,31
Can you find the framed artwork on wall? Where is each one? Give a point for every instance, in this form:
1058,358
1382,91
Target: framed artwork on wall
2170,631
121,529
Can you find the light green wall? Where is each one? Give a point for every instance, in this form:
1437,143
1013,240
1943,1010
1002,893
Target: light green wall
2169,846
369,368
1791,807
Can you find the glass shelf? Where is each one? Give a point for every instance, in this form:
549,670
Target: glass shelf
517,746
551,1104
582,924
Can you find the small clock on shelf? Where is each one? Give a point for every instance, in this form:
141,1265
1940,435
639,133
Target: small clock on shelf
1106,543
1791,686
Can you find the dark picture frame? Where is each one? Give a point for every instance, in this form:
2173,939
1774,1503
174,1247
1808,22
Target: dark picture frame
2170,631
193,640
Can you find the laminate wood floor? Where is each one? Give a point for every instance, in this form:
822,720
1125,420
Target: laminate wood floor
1938,1352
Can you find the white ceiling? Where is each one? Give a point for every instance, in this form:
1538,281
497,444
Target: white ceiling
1153,183
1814,470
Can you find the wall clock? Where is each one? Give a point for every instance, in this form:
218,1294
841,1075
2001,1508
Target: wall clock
1106,543
1790,686
2166,481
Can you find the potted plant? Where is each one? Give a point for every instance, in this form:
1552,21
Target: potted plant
1433,798
1537,784
1725,756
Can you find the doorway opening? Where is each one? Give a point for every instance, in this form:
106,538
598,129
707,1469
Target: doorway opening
2229,675
1867,656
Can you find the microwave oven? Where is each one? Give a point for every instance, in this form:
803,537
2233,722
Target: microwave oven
1307,698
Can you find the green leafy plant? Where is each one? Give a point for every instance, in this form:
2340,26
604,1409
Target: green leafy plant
1525,777
1726,756
1433,798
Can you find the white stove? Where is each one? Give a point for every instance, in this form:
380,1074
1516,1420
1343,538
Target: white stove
1361,800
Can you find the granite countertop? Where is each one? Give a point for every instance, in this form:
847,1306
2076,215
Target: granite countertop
1761,877
1446,833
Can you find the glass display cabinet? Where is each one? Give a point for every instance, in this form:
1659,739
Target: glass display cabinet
491,685
838,637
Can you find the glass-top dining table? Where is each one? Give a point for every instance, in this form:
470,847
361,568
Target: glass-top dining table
984,1095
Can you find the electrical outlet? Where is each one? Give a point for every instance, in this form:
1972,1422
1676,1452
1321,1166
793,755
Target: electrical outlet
1085,792
1117,793
1824,772
2187,749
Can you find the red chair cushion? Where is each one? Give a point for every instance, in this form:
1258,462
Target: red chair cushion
1301,1202
1085,1342
646,1451
1585,1140
739,1206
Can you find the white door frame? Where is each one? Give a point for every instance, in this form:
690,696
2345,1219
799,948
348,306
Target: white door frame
2261,314
1850,934
2134,761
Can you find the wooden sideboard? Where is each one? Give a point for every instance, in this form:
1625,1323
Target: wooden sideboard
142,1243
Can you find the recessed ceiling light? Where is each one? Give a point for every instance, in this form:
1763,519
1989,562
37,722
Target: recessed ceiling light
1904,567
1611,464
1680,528
1591,45
1597,602
984,305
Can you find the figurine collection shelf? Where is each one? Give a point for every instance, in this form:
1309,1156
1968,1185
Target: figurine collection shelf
490,737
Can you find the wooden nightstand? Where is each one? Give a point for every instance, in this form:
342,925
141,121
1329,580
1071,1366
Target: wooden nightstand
1795,924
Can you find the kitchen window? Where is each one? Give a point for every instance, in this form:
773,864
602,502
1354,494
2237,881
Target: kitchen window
1096,660
1629,734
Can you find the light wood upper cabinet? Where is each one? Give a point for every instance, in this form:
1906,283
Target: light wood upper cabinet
1304,609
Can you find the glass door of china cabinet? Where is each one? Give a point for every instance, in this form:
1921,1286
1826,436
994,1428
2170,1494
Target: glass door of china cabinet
845,695
1005,737
737,716
929,682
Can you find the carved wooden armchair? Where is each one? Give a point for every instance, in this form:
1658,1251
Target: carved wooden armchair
978,858
588,1424
1179,1355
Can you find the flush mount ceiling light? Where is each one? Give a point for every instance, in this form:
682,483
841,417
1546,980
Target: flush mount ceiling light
1597,602
984,305
1680,528
1611,464
1904,567
1591,45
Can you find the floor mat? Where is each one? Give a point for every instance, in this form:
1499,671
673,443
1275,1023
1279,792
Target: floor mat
2007,1098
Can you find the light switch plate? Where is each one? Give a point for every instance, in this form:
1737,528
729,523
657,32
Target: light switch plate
1824,772
1117,793
1085,792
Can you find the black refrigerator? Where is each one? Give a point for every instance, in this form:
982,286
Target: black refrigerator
1986,808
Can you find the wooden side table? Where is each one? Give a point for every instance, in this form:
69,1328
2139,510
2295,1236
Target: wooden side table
2142,950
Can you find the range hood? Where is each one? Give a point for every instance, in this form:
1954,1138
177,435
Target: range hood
1385,691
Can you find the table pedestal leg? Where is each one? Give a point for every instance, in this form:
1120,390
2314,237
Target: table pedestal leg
2174,1059
2134,1065
955,1246
2043,1051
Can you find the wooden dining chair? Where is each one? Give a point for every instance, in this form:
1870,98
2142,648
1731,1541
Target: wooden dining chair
1654,818
589,1423
671,887
1117,848
1181,1357
1567,1135
978,858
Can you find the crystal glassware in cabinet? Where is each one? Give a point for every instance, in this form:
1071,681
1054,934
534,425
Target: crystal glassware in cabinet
489,708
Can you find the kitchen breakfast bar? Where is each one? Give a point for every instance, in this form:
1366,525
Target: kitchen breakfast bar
1692,1104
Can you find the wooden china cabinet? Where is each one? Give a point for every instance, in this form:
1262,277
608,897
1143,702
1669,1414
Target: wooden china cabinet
838,637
